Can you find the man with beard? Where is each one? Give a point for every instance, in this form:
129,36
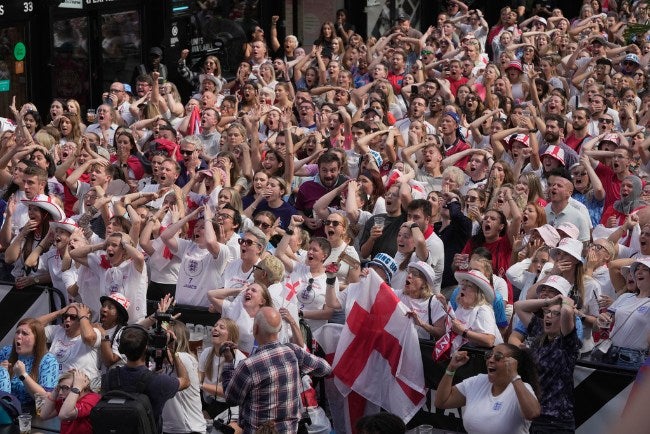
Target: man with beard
417,108
120,100
191,148
452,140
329,177
553,134
560,210
381,237
611,177
398,69
580,123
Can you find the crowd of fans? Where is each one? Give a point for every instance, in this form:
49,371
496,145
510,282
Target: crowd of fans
493,175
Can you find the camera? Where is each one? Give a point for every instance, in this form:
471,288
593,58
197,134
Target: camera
158,340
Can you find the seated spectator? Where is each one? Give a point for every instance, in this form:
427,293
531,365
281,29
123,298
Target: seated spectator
34,371
71,400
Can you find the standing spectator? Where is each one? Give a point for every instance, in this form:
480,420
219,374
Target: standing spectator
267,385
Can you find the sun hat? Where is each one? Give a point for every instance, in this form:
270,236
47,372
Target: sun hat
516,64
478,279
555,152
427,271
643,260
558,283
386,263
549,235
210,77
120,302
67,224
569,230
611,137
570,246
46,203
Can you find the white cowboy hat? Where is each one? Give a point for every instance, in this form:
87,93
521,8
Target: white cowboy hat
46,203
67,225
478,279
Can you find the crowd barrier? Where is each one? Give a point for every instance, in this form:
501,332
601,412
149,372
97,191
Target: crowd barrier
601,391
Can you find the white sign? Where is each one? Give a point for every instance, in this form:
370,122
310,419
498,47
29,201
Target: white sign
72,4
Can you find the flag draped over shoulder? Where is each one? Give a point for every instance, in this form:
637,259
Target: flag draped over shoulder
378,353
194,126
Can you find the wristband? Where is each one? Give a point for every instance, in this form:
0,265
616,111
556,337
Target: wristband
465,333
414,225
289,231
22,377
450,373
85,316
330,280
517,377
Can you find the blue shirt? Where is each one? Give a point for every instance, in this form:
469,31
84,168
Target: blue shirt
48,375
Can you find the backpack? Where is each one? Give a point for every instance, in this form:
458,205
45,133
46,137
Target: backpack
120,412
10,409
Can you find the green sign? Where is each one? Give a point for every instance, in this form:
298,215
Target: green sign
4,85
20,51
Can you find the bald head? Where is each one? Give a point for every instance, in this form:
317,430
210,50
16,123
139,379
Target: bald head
267,325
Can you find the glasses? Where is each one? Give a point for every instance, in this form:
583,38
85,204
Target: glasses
497,356
307,294
64,388
261,224
578,174
69,316
469,198
606,121
186,152
470,98
332,223
226,216
598,247
246,242
638,74
551,313
257,267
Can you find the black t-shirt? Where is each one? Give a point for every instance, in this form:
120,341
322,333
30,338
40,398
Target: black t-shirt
387,243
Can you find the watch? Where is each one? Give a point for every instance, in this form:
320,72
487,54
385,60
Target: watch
414,225
107,338
37,280
22,377
75,390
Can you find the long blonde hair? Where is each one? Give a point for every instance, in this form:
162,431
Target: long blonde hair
233,336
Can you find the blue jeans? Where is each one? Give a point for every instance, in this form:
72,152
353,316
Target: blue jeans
630,357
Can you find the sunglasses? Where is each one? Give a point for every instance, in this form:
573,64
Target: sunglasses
497,356
64,388
606,121
70,316
261,224
579,174
426,52
257,267
186,152
306,293
471,198
331,222
246,242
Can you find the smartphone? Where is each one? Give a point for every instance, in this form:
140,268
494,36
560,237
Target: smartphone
415,90
161,80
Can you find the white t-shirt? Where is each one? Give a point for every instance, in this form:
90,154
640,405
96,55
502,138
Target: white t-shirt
183,413
126,280
163,270
485,413
236,312
74,353
50,262
89,291
279,301
632,332
344,268
199,272
421,307
313,299
479,319
115,345
436,258
235,277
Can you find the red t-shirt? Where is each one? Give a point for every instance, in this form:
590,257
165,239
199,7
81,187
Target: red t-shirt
455,84
458,146
501,251
611,184
80,425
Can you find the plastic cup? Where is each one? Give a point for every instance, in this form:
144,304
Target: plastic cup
380,221
25,423
91,116
425,429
